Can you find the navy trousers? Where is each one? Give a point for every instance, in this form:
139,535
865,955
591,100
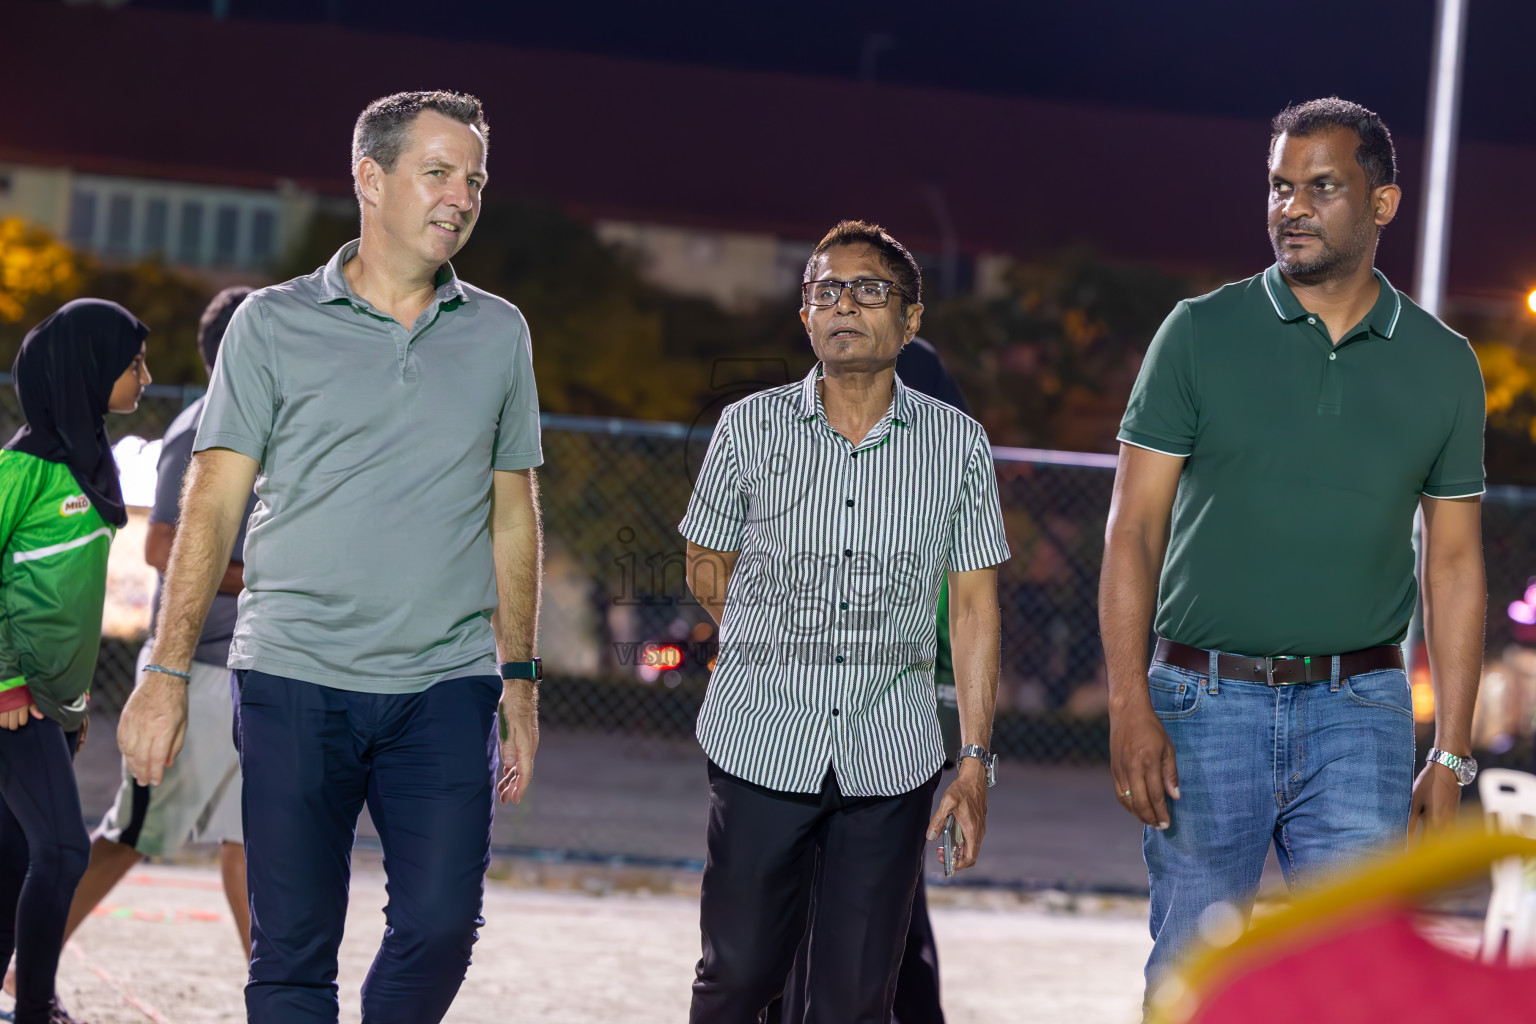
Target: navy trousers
43,852
311,757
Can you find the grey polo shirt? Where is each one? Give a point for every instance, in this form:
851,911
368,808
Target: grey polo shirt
368,558
829,634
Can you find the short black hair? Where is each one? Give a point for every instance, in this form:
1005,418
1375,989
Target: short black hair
215,321
1375,154
383,128
897,259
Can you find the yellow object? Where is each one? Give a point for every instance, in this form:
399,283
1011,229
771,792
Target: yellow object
1434,863
1530,300
1423,701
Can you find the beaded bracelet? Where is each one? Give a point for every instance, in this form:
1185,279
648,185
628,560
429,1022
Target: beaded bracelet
184,676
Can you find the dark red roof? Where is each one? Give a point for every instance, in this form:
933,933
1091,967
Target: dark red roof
179,95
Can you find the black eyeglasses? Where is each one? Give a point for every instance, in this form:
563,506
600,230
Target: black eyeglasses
871,292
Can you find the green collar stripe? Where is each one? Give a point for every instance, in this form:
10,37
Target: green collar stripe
11,684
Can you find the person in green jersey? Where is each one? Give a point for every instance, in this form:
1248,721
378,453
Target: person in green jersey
60,505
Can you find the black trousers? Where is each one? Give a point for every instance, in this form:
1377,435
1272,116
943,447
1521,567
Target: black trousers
767,852
917,983
43,852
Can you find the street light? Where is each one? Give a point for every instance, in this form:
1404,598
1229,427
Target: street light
1530,300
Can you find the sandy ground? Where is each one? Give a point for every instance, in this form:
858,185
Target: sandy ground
162,949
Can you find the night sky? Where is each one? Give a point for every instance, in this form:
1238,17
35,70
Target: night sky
1224,57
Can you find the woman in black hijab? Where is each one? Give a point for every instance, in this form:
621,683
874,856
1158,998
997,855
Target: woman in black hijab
60,504
64,375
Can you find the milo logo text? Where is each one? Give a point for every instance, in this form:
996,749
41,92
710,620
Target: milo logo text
74,506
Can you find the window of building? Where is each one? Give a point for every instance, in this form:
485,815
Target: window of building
82,218
263,237
157,215
119,223
190,249
226,235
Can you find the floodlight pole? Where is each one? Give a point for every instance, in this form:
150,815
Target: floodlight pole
1440,152
1439,179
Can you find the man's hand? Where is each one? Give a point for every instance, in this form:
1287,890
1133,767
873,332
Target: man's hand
966,799
153,726
1436,800
1142,763
17,717
518,720
1141,757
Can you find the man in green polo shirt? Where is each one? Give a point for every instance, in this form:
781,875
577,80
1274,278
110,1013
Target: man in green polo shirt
1281,435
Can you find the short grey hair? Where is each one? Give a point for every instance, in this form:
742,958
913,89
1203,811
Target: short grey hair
383,129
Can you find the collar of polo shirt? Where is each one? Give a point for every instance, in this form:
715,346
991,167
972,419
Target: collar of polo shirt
334,286
1382,318
901,410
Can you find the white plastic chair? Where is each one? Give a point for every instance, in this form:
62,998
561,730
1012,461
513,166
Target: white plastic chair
1509,803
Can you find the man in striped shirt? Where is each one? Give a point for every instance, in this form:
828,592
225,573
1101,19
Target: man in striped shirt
824,519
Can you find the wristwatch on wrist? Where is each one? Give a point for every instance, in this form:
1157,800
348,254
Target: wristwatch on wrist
533,669
1464,767
986,757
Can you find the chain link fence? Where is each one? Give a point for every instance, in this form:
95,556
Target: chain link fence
627,650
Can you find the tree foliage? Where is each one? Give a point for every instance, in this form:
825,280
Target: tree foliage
1050,361
34,269
38,274
1509,377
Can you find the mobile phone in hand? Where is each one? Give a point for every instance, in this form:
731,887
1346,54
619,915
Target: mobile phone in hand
947,844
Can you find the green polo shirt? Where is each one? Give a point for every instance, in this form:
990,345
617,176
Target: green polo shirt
1304,463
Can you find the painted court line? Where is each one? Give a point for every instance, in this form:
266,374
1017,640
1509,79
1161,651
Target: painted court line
179,915
125,991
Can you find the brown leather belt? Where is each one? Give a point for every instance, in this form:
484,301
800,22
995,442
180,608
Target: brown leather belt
1282,671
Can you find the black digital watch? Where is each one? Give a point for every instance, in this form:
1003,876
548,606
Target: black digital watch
532,669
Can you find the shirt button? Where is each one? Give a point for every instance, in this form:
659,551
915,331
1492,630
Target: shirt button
847,552
1312,320
834,712
853,455
1332,356
843,605
839,659
850,503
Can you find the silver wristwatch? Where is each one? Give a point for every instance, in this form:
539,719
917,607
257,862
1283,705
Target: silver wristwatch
1464,767
986,757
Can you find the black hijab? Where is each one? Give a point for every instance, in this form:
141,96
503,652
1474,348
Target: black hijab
63,375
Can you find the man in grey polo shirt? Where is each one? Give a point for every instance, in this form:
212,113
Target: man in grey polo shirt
1280,437
387,415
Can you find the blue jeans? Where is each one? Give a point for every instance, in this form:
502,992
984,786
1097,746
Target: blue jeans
311,756
1323,770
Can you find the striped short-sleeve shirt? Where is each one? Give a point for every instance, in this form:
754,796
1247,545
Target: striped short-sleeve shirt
828,638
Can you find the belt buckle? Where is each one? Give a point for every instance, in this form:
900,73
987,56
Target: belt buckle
1269,668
